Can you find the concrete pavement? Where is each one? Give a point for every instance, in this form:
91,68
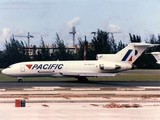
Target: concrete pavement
76,111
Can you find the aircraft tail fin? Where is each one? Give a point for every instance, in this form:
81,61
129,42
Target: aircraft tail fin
156,56
131,52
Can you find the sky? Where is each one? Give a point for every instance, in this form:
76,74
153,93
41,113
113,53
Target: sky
45,18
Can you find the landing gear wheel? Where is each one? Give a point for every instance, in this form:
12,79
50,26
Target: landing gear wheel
19,80
82,79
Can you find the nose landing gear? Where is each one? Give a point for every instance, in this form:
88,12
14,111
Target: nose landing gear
82,79
20,79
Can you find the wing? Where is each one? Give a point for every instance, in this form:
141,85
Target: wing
87,74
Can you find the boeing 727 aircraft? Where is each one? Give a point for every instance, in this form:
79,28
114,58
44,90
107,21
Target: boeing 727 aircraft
156,56
105,65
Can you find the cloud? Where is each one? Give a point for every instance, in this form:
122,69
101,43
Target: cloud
14,5
119,33
73,22
114,28
64,30
5,33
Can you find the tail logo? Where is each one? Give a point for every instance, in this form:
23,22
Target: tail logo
128,54
130,59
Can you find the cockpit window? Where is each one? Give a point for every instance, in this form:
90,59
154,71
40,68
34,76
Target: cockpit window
10,66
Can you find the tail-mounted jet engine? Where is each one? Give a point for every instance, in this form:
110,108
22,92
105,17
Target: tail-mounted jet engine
109,67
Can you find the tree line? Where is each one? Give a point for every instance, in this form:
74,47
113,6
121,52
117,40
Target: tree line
101,43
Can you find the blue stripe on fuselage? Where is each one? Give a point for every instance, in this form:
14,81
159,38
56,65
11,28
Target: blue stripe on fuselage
126,55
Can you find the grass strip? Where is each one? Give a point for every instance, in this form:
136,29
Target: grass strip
118,77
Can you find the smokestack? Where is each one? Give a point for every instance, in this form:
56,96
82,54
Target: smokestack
85,49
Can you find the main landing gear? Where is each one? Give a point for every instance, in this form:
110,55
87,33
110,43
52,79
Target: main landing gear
82,79
20,79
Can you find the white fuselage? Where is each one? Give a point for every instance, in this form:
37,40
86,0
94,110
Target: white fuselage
106,65
64,68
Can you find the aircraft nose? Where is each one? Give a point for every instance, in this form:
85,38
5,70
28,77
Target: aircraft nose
4,71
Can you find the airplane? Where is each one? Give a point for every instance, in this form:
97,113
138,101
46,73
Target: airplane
105,65
156,56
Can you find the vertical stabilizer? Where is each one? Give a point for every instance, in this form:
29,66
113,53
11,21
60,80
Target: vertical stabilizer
131,52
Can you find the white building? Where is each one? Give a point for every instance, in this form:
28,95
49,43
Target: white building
34,49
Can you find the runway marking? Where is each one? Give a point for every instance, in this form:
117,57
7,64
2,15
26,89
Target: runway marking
138,88
84,101
131,89
2,90
60,89
86,89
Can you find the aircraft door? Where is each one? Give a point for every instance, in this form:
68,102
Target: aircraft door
22,67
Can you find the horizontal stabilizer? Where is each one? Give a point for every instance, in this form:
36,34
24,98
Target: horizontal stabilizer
156,56
129,54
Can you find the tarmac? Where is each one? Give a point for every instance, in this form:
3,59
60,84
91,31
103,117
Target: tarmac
77,111
92,108
61,108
